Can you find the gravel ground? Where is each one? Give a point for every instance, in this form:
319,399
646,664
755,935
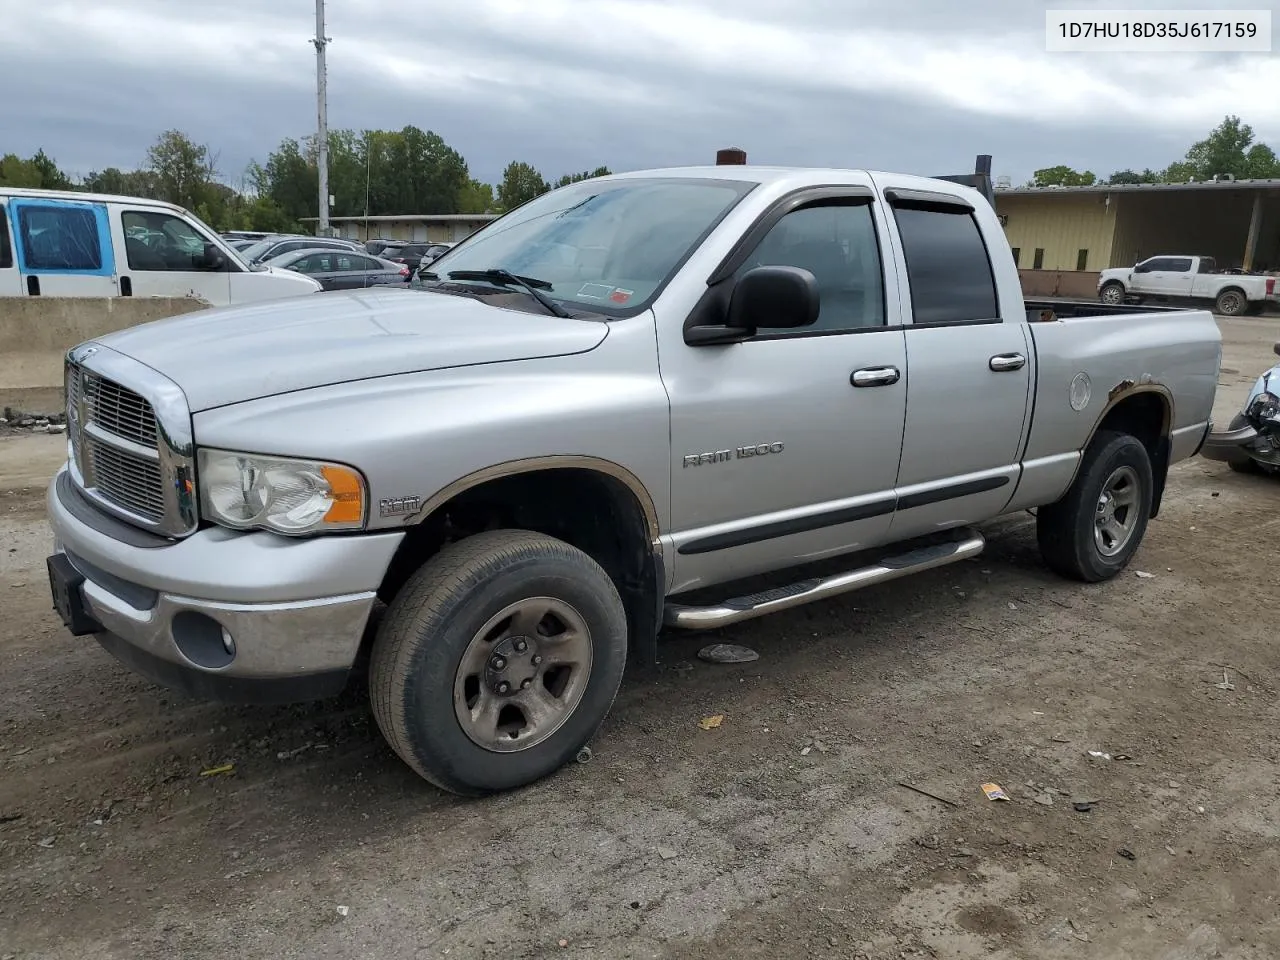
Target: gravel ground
784,832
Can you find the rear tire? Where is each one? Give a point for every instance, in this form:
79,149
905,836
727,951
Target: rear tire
497,661
1231,303
1095,529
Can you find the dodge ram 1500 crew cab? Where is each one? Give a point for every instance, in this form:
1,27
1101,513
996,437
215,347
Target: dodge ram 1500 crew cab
604,412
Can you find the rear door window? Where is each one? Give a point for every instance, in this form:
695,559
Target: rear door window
62,239
948,268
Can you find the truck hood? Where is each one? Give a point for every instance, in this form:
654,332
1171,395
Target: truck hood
232,354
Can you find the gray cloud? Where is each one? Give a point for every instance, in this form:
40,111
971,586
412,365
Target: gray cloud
920,85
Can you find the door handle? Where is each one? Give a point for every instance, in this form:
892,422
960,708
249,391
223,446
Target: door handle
875,377
1002,362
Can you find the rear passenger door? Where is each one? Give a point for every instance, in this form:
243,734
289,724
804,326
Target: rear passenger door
970,370
63,248
10,282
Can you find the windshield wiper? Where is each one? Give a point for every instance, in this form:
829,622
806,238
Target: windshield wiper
529,285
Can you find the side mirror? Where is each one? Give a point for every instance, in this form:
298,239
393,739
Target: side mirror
1276,348
774,297
213,258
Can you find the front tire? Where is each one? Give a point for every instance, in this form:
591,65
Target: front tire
1095,529
1112,293
497,661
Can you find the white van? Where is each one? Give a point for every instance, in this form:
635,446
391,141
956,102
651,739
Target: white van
66,244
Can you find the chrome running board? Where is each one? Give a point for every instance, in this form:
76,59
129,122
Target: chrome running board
755,605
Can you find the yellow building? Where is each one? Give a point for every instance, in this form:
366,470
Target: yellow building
1086,229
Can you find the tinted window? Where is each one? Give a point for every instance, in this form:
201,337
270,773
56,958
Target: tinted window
312,263
6,249
1158,264
947,266
161,241
837,244
1178,265
365,263
60,238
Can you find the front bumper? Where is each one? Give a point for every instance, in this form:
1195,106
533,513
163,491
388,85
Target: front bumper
294,610
1230,444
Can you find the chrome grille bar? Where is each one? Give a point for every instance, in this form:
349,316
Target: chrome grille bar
130,435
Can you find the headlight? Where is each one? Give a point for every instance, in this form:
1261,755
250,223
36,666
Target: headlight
244,491
1265,406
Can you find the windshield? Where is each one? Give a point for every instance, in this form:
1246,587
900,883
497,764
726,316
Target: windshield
609,245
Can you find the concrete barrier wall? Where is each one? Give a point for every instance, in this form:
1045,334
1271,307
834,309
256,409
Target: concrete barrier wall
35,333
1073,284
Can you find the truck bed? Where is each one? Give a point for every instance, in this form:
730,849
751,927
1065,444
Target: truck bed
1064,309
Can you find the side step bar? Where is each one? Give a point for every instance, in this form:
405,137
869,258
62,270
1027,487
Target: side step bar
755,605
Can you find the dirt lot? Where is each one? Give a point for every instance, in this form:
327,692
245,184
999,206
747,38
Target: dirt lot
782,833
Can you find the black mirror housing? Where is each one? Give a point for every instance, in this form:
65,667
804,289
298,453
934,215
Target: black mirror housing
1276,348
774,297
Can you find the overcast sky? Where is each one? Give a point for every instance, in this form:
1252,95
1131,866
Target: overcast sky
919,86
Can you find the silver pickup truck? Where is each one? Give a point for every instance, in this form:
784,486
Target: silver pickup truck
605,411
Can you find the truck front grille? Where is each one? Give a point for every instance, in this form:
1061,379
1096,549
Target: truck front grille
119,410
121,452
127,480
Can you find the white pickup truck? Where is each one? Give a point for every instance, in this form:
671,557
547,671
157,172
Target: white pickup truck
1187,280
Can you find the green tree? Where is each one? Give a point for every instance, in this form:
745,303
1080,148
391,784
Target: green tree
476,197
16,172
51,178
184,170
1063,176
288,180
1129,176
131,183
569,178
1229,149
520,184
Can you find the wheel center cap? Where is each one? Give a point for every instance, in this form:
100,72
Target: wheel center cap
512,665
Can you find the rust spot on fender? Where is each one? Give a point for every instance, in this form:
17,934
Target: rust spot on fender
1120,388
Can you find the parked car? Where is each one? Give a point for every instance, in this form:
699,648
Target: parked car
601,416
378,244
68,244
408,254
1187,280
342,270
265,250
1251,442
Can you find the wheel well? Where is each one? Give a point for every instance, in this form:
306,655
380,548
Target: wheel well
1146,416
598,514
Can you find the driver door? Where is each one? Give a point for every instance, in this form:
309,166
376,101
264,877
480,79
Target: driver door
164,256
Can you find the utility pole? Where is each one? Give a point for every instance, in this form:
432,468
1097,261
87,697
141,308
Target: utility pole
322,131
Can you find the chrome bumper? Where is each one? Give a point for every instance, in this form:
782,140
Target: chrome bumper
221,614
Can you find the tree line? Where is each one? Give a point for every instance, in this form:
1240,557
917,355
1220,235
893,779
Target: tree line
371,172
1229,149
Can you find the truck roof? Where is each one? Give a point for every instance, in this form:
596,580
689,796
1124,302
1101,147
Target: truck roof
800,176
34,194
